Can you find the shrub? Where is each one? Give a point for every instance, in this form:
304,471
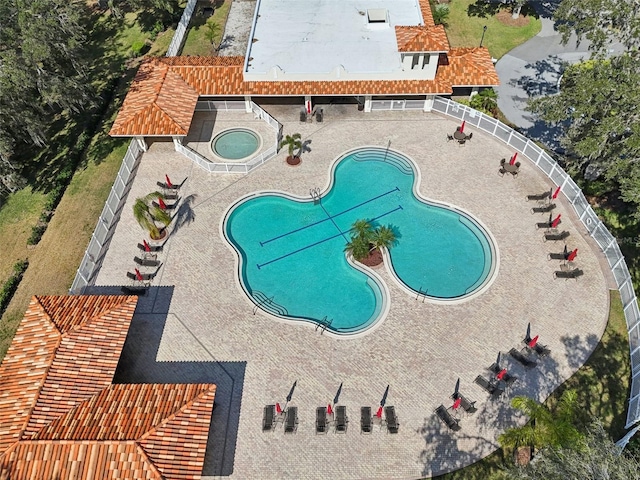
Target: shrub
136,48
11,285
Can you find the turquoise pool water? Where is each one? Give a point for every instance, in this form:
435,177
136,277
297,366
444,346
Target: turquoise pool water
292,260
235,144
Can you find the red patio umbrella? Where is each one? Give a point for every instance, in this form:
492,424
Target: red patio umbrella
572,255
556,221
379,412
167,181
456,404
329,409
556,193
147,248
163,206
533,342
139,276
462,126
513,159
278,408
500,375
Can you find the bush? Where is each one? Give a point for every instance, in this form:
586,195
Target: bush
136,48
11,285
36,233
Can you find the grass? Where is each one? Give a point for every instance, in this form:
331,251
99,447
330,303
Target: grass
468,17
196,42
602,384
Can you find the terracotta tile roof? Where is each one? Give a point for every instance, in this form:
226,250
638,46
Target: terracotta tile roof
60,416
425,10
467,67
156,97
422,39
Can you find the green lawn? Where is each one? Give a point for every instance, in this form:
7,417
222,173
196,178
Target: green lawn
196,43
602,384
468,17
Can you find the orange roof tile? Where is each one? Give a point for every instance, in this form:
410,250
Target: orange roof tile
60,416
422,39
467,67
425,10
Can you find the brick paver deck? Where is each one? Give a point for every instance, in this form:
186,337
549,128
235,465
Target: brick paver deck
204,326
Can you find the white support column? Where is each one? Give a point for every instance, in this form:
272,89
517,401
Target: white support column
177,141
247,103
428,103
474,92
308,106
141,143
367,103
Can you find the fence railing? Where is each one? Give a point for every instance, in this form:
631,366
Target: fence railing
401,104
596,228
108,218
181,30
233,167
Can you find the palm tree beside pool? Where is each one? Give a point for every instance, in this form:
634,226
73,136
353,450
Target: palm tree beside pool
293,142
367,241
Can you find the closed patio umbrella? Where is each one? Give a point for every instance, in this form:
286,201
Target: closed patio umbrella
163,206
379,412
556,221
329,409
167,181
462,126
147,248
278,408
513,159
556,193
572,256
456,404
139,276
533,342
500,375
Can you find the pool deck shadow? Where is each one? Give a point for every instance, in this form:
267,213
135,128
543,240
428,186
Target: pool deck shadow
420,349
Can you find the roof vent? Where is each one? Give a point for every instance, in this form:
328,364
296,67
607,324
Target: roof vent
377,15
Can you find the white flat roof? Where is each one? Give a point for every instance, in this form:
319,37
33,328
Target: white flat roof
316,36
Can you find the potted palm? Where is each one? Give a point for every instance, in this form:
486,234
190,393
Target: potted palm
293,142
149,216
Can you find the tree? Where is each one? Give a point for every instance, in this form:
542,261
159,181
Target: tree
212,31
594,457
358,247
148,216
293,142
363,229
383,237
440,14
486,100
545,427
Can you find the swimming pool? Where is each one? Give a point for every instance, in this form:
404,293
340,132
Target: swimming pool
291,251
235,143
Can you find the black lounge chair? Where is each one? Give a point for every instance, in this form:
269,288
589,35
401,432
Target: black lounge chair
168,206
545,209
173,186
321,420
268,417
495,389
567,274
145,276
319,115
523,359
391,419
139,291
446,417
146,262
557,256
366,421
303,116
291,420
152,248
507,378
546,225
556,236
467,406
539,196
341,419
540,350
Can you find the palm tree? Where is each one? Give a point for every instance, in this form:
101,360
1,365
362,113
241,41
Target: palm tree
293,142
545,427
358,247
212,31
383,237
147,215
362,229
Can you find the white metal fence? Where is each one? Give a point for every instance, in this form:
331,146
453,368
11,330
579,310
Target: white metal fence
108,218
401,104
181,30
233,167
596,228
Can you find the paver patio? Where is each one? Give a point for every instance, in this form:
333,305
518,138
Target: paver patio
199,324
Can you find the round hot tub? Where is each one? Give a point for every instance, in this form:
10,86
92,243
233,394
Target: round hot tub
236,144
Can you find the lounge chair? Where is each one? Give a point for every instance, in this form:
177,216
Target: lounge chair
495,389
523,359
152,248
557,256
494,368
567,274
268,417
146,262
546,225
539,196
168,206
449,137
540,350
341,419
366,421
303,116
446,417
319,115
545,209
467,406
291,420
140,291
391,419
144,276
321,420
173,186
556,236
